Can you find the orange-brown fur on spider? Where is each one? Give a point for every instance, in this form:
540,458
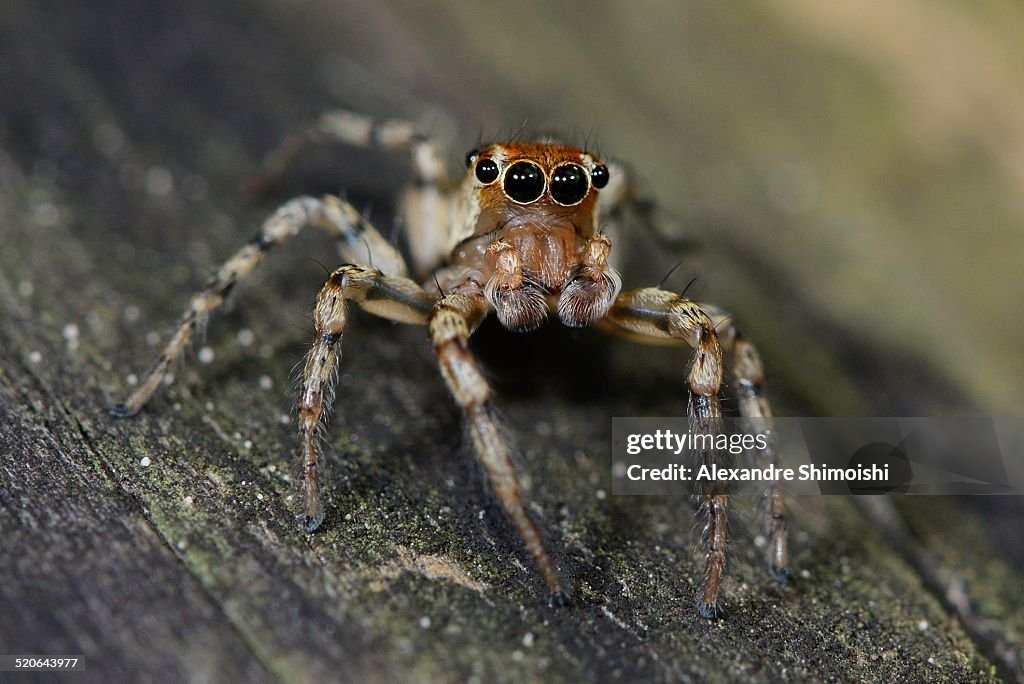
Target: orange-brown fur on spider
520,236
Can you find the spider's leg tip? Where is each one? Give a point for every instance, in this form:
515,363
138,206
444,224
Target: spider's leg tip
780,575
121,411
710,611
559,599
309,523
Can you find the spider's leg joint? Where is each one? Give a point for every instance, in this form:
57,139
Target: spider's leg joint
710,611
309,523
560,599
781,575
121,411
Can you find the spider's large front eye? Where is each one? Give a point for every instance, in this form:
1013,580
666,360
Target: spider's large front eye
569,184
599,176
487,171
524,182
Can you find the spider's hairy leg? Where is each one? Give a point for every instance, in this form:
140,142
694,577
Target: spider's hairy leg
335,216
424,207
358,130
358,240
655,314
283,224
455,317
747,371
392,297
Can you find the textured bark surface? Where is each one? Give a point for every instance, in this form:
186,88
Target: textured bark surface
163,547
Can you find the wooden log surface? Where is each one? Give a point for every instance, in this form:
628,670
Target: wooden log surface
162,548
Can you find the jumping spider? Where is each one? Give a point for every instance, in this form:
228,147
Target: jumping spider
521,236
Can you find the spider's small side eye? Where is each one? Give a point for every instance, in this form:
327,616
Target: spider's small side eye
569,184
486,171
599,176
524,182
471,157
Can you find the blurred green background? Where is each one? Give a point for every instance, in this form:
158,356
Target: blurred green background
855,170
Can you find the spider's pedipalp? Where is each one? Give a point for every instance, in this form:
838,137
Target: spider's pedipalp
592,286
520,304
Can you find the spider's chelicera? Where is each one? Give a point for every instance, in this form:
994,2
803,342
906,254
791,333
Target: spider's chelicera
521,236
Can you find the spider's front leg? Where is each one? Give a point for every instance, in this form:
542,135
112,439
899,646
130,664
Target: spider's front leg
652,314
392,297
455,317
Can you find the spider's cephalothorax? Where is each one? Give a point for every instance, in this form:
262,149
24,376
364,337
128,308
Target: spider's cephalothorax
521,236
528,235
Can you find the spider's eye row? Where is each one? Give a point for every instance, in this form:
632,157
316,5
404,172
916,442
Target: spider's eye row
524,182
569,184
487,171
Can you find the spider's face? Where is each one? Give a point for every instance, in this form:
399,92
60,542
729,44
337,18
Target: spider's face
536,182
